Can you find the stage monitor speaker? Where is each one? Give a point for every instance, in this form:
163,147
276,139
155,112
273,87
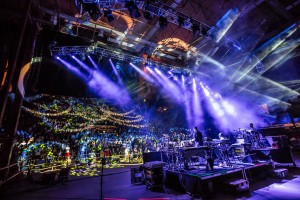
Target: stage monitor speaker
154,156
251,158
282,155
282,141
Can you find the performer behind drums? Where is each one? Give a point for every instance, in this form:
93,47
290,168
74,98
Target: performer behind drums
254,131
257,136
198,138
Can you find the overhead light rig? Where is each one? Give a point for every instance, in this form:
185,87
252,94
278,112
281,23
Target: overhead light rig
154,7
111,53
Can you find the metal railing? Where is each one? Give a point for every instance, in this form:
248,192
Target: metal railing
7,175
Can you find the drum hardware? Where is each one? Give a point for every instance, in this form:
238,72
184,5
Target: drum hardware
178,154
187,143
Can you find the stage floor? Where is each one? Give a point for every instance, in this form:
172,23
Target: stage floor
116,184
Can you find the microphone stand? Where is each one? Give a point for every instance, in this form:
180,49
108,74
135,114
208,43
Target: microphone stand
101,177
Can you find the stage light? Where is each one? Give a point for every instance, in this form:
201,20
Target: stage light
73,56
182,22
68,28
108,14
147,15
57,57
133,9
118,67
163,22
196,30
93,10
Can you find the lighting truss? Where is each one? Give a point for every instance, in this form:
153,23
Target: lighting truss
157,8
105,52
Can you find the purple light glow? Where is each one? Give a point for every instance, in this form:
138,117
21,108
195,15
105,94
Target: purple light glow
188,110
82,64
197,114
225,112
100,84
206,92
170,86
216,109
104,87
57,57
143,74
194,85
115,71
158,71
233,108
74,70
217,96
157,78
229,108
73,56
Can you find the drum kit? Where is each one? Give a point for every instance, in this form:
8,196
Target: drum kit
221,150
248,137
171,150
218,149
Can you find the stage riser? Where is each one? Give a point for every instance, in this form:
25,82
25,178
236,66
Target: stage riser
282,155
209,186
173,180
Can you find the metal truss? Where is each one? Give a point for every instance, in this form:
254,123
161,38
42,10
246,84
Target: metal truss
105,52
156,8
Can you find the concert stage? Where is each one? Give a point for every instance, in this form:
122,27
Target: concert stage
206,183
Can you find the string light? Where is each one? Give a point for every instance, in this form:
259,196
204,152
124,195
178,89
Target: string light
40,114
79,116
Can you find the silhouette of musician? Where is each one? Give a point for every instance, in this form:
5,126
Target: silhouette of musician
254,131
198,138
256,135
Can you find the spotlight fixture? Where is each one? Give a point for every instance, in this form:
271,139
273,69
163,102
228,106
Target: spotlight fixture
196,30
108,14
149,62
73,56
133,9
57,57
147,14
180,21
93,10
68,28
163,22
